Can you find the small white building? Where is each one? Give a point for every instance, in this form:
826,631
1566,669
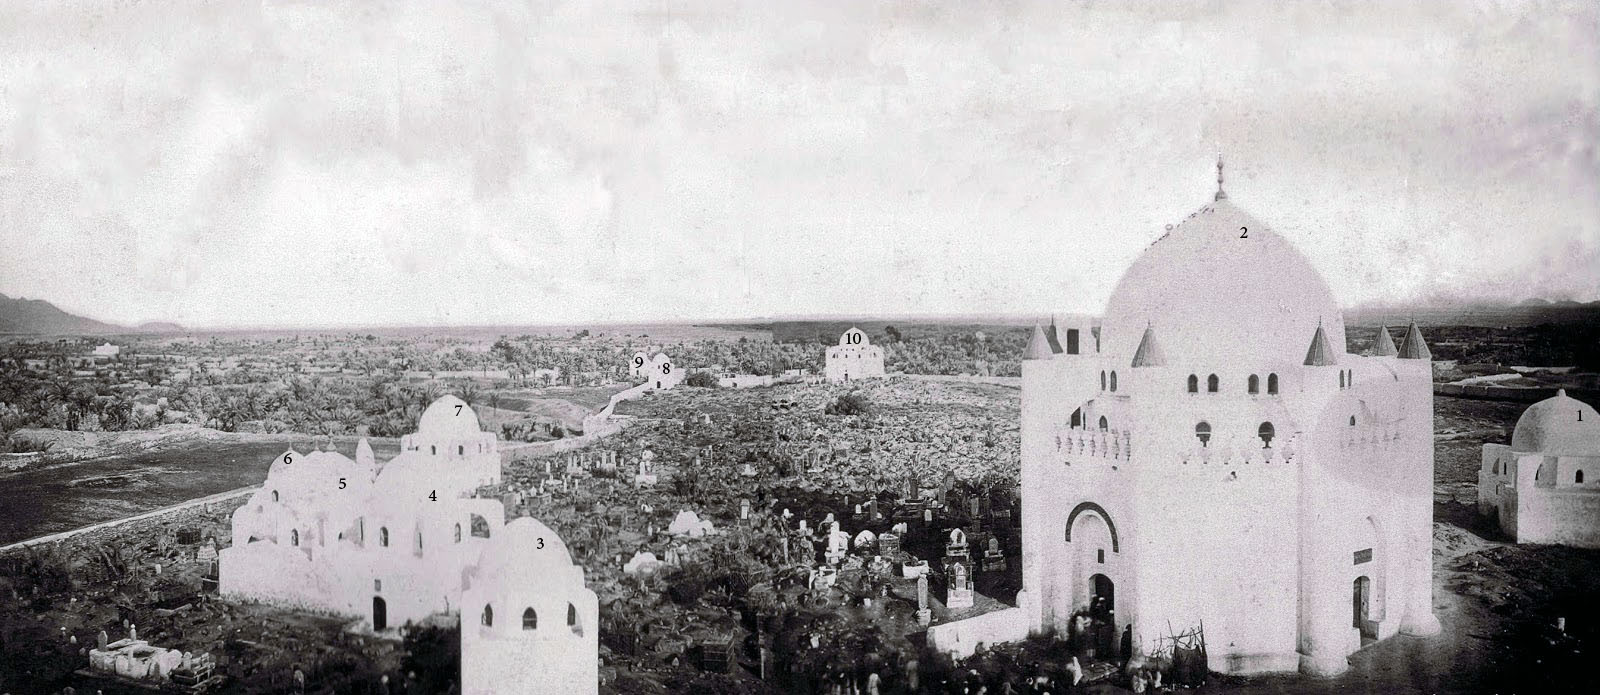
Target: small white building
1542,488
855,357
535,626
663,374
639,364
733,380
106,351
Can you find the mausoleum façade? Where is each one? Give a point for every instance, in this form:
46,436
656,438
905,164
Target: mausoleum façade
1211,456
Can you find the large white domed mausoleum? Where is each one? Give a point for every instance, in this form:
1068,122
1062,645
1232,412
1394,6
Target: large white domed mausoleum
1210,457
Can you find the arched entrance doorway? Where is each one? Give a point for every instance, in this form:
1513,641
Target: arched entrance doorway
380,614
1360,608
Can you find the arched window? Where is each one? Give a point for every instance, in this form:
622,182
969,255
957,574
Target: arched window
1194,384
1350,377
1272,384
1102,380
1341,378
460,450
1077,418
1103,424
1203,432
488,615
1211,384
1254,386
572,619
274,495
419,541
1352,421
1265,431
294,537
1497,467
458,533
383,536
530,619
433,450
1577,478
1113,381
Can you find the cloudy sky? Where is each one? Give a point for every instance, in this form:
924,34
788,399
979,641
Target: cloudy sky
285,163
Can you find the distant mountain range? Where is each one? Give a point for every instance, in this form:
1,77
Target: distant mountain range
39,317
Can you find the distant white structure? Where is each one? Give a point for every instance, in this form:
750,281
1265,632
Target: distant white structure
855,357
529,624
1542,487
663,374
639,364
391,544
107,350
734,380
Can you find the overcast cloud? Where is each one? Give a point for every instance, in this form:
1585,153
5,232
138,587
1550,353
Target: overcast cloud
288,163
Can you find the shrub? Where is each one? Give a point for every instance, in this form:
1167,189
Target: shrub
849,404
705,380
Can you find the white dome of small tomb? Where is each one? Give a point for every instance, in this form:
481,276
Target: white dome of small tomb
1558,426
444,421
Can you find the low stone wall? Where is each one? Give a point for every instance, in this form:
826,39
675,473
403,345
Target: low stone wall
961,638
166,520
1518,394
1012,381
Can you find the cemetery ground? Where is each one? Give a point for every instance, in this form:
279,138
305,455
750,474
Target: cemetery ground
717,610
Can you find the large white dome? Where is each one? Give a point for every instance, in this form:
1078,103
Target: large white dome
1558,426
1221,289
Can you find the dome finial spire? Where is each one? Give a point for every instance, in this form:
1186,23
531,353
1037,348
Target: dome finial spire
1221,194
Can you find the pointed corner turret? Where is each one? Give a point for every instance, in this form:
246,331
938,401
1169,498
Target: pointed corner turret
1321,353
1413,347
1384,346
1149,353
1053,336
364,456
1038,345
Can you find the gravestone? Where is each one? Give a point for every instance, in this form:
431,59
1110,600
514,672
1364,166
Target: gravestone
959,594
924,615
994,560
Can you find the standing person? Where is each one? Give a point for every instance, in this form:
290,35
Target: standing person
1127,644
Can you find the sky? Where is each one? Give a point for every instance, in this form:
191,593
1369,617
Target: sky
371,163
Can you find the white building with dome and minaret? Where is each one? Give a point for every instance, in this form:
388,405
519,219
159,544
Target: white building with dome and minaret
855,357
1210,456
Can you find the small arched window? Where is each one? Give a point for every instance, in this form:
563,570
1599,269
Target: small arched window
530,619
433,450
1272,384
274,495
1104,425
1577,478
572,619
1352,421
383,536
1211,384
1077,418
1254,386
1497,467
488,615
294,537
458,533
1194,384
1265,431
419,541
461,450
1113,382
1202,431
1341,378
1102,380
1350,377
